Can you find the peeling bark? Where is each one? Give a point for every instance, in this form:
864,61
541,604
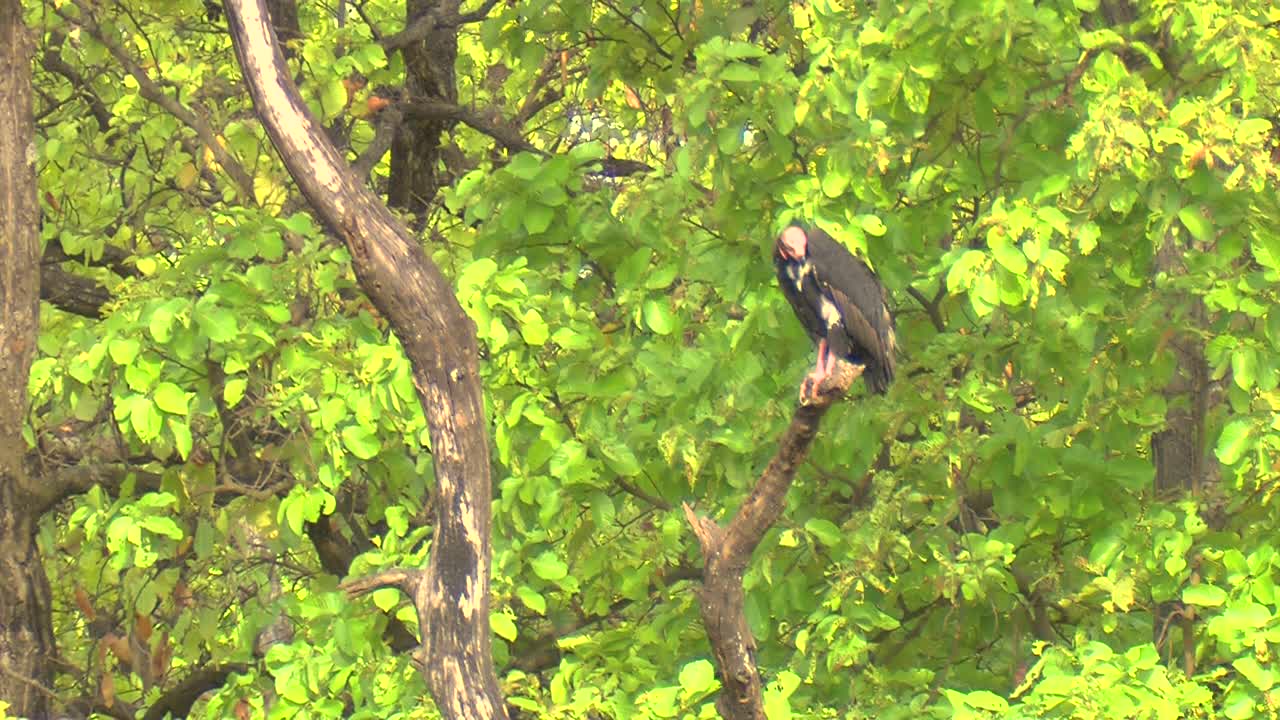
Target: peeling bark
26,630
439,339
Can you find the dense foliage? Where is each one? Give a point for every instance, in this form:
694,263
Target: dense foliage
1062,197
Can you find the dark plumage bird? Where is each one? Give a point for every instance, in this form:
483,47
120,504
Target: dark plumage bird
841,304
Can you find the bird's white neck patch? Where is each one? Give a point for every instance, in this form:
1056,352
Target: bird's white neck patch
797,271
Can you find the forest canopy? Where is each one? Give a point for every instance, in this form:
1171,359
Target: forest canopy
221,495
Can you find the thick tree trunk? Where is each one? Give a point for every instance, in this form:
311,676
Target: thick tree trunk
429,76
1178,450
452,597
26,632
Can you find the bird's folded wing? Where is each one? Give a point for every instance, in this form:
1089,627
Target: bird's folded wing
857,325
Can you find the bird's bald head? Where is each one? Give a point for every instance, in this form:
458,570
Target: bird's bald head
794,243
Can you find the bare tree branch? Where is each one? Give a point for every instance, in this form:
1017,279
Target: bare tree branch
508,137
420,27
388,120
178,701
72,293
930,307
52,61
407,581
727,551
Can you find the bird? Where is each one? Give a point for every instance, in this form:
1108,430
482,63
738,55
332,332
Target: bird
841,304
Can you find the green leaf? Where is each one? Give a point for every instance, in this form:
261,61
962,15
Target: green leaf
1204,595
740,72
525,166
1054,218
160,325
532,599
1196,223
587,152
300,222
369,57
965,269
1087,237
333,97
361,441
916,92
219,323
662,702
124,350
834,182
161,525
386,599
1245,616
567,459
171,398
729,140
657,315
182,441
1010,257
476,275
621,459
1272,329
1234,441
777,705
661,277
826,531
537,218
1252,130
503,625
1244,367
1261,678
738,50
1239,705
291,683
533,328
233,390
986,700
697,677
549,566
873,225
144,418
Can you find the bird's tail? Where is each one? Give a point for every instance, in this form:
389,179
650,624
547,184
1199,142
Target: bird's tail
878,377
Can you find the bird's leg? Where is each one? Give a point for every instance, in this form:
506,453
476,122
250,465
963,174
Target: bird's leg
821,370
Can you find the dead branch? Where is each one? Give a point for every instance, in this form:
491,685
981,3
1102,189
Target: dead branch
727,550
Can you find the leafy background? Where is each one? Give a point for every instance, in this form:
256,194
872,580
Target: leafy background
985,541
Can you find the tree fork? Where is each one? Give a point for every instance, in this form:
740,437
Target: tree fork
726,552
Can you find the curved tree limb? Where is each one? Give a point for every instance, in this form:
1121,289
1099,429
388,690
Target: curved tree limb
73,293
727,550
178,701
439,339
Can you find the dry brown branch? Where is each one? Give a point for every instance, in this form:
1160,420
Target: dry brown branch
406,580
727,550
